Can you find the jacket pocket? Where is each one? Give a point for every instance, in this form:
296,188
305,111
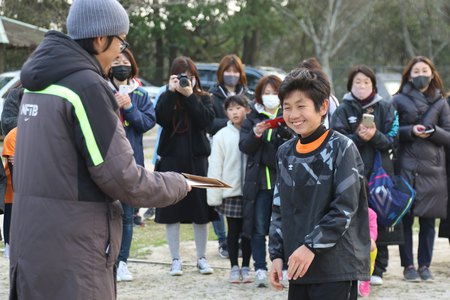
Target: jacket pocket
114,232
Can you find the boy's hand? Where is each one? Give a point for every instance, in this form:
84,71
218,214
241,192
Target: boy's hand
299,262
276,274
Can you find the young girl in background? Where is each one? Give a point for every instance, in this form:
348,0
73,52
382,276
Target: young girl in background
227,163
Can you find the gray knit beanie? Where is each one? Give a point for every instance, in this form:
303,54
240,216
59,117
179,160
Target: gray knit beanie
94,18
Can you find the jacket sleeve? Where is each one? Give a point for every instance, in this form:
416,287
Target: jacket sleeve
276,248
109,156
340,124
384,138
142,114
215,169
200,109
165,108
218,122
344,203
249,143
441,135
10,111
404,131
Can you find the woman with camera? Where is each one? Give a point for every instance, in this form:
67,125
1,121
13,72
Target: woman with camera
184,111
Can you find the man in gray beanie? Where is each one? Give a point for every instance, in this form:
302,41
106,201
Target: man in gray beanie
73,160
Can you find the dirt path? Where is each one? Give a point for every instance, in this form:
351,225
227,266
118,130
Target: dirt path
152,280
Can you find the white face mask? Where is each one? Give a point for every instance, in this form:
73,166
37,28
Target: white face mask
270,101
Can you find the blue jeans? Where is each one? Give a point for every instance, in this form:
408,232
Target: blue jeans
127,232
426,241
261,222
219,229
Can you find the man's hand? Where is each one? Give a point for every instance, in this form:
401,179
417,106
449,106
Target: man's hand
276,274
299,262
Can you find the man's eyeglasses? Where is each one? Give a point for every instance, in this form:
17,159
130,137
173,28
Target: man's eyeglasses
124,45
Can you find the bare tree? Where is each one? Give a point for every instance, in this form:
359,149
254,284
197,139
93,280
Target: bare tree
327,23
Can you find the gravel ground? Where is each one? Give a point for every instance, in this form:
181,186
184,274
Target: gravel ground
152,280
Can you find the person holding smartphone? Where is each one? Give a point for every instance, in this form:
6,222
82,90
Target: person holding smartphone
372,124
422,107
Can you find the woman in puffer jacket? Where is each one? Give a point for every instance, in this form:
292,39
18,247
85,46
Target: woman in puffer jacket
424,131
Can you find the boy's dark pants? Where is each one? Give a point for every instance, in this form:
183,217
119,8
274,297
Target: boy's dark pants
342,290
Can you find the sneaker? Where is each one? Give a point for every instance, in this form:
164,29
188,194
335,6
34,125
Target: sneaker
137,220
364,288
376,280
425,274
203,267
223,250
261,278
177,268
245,274
149,214
235,275
410,274
122,272
284,279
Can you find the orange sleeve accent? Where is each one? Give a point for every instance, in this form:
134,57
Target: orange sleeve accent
9,143
9,191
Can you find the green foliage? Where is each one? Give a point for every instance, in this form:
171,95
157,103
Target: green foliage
269,32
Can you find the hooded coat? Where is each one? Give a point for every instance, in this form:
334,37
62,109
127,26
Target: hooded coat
422,161
72,162
347,118
218,95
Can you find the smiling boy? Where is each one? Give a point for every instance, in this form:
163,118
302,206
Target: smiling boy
320,218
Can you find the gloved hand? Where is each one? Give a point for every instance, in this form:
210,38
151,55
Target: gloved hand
284,132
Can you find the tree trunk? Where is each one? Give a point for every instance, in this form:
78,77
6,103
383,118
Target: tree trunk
159,75
251,48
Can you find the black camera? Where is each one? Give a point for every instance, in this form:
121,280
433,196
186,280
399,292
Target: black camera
183,80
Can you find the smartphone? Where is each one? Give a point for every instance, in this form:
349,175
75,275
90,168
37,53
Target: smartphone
274,123
428,131
367,120
124,89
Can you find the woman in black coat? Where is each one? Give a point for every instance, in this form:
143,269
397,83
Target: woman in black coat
184,112
444,226
231,80
424,131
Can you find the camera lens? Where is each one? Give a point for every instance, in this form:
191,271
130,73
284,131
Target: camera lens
184,81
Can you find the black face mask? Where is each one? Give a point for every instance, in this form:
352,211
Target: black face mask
421,82
121,73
